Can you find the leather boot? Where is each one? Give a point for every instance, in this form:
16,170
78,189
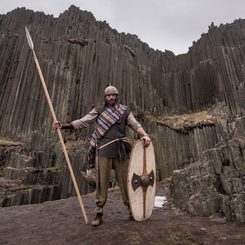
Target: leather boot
98,220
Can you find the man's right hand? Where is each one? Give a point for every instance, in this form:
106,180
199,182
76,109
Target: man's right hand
57,125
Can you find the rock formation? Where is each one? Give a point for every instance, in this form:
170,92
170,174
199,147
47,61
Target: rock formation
191,104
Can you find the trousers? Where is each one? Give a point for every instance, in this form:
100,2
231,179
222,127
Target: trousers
121,170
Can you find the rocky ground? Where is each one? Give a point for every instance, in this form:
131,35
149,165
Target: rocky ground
60,222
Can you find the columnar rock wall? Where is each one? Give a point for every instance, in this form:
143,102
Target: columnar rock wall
79,56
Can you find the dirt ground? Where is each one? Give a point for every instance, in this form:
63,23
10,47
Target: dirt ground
60,222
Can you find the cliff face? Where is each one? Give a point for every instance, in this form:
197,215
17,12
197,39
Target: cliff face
79,56
72,50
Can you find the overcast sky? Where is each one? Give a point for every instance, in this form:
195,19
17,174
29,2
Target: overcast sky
163,24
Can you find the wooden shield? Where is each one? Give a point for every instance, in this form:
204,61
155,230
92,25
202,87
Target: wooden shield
142,181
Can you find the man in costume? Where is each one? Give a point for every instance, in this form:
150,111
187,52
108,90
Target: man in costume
114,150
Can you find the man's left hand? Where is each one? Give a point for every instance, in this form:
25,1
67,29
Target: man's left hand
147,140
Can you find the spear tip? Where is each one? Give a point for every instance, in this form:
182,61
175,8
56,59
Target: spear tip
29,40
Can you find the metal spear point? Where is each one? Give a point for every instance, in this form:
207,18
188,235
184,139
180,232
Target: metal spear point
28,36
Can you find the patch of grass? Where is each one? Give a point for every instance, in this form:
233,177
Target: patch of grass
185,122
239,238
6,142
181,238
133,238
53,169
19,188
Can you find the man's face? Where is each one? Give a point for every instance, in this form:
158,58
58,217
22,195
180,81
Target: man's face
111,99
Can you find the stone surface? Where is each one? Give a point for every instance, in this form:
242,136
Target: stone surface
214,184
61,222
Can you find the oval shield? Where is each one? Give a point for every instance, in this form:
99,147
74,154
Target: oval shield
142,181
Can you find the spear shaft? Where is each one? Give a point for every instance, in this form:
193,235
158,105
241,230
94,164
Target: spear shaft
29,39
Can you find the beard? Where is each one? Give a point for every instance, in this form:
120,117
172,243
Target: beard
111,102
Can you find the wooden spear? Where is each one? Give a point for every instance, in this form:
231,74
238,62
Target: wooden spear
29,39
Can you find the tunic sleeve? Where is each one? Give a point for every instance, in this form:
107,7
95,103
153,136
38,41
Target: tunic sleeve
132,122
86,121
